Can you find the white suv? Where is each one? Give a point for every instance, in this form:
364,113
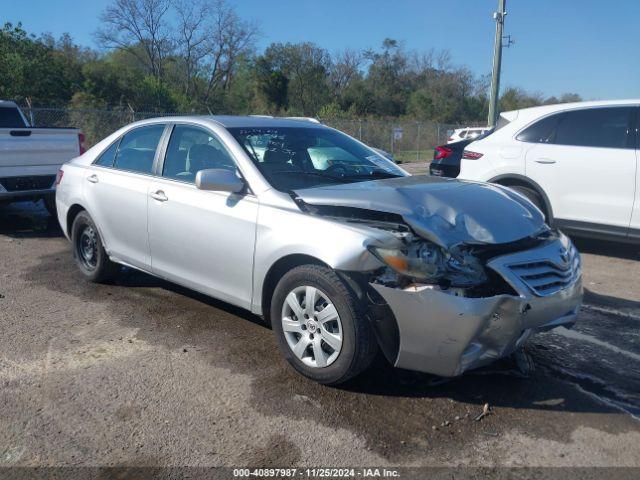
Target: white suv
577,162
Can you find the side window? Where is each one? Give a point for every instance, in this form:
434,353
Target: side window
107,157
543,131
192,149
595,127
137,149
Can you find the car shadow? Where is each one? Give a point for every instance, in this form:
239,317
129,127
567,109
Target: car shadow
608,248
131,278
501,384
618,304
28,220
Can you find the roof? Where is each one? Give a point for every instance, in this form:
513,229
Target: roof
229,121
535,112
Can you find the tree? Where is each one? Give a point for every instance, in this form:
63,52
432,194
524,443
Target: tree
387,78
138,27
271,86
229,38
42,70
305,67
191,37
344,69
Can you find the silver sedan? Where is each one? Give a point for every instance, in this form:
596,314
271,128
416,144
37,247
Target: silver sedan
338,248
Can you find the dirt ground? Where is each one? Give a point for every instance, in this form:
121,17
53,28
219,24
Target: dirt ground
143,372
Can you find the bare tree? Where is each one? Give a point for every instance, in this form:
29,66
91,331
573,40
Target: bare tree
345,68
139,27
229,38
191,36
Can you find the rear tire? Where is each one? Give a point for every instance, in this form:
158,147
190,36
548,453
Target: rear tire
89,252
350,344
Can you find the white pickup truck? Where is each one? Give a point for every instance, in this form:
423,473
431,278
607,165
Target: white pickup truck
31,157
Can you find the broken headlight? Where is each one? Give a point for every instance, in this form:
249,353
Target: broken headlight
427,262
424,261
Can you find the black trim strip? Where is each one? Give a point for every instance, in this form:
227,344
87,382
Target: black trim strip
599,231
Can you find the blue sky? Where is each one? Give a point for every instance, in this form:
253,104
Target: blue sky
591,47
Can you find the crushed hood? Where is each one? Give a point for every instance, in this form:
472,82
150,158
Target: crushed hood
442,210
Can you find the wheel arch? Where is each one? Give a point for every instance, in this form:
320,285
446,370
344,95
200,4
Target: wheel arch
277,270
72,213
513,180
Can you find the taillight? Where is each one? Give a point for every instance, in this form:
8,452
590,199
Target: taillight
442,152
59,177
81,146
469,155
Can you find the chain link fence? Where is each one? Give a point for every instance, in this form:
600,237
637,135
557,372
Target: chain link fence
408,141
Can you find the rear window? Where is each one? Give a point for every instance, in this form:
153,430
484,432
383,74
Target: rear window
10,118
107,157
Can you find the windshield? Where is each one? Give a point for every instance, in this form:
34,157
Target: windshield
291,158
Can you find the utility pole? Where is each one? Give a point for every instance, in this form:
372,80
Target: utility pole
497,63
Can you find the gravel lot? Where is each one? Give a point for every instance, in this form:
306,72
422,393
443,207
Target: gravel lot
143,372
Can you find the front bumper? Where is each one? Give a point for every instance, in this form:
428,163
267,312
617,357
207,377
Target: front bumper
444,334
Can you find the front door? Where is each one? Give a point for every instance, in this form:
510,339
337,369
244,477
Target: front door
201,239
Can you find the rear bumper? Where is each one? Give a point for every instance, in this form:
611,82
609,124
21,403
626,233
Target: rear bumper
26,186
446,335
444,170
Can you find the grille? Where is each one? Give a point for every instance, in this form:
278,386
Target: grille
19,184
548,276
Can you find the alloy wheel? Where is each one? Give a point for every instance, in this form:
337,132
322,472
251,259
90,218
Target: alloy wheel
312,326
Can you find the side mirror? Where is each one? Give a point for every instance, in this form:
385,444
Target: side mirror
219,180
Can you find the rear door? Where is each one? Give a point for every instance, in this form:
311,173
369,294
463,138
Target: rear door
116,189
585,161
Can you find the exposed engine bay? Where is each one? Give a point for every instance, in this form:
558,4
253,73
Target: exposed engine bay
417,263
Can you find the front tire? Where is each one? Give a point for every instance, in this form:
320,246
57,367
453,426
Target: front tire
88,250
320,325
534,198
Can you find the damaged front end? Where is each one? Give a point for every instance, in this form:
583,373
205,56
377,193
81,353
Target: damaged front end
460,306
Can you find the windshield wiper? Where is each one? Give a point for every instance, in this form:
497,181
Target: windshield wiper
323,175
376,173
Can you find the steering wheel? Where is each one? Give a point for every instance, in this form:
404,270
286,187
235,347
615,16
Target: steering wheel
337,170
341,168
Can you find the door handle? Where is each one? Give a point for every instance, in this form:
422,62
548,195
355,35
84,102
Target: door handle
159,196
545,161
92,178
